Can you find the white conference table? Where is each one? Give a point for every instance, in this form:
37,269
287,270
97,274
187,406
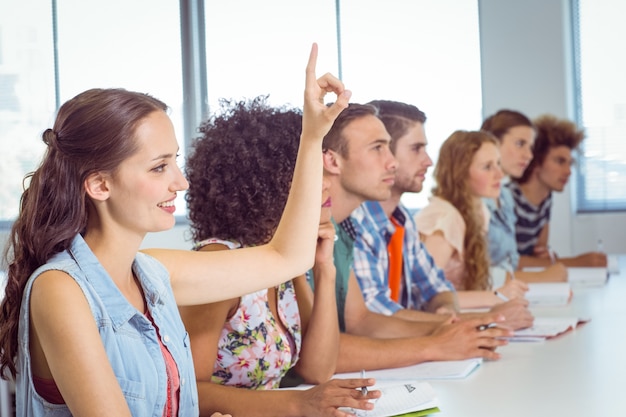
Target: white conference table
580,373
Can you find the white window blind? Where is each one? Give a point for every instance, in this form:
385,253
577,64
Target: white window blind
601,68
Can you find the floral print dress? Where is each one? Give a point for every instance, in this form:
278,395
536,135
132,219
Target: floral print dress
253,350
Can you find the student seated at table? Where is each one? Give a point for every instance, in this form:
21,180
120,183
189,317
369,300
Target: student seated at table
548,172
453,225
89,324
240,172
516,135
360,167
396,273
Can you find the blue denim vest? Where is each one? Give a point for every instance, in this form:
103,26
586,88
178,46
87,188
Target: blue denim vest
129,338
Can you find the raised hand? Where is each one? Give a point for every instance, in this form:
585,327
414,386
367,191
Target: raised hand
318,117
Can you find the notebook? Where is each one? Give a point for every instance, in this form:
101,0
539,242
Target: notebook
587,276
549,293
549,327
583,276
421,371
406,399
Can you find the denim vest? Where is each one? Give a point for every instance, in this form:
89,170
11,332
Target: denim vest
129,338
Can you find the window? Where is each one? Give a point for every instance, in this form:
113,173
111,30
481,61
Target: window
27,98
601,179
425,53
396,49
117,43
261,48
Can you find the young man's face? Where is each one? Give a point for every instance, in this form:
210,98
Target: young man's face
556,168
368,171
413,161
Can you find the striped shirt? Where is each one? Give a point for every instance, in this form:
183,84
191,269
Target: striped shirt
531,219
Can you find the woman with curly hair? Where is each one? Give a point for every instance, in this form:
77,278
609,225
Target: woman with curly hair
454,224
239,172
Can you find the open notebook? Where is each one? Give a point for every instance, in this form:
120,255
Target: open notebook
547,328
548,293
406,399
422,371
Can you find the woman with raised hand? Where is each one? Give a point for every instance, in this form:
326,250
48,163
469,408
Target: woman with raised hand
89,325
240,173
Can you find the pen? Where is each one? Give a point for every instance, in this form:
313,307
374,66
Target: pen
486,326
501,296
363,388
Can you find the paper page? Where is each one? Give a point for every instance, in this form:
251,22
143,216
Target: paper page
400,399
426,370
590,276
548,293
549,327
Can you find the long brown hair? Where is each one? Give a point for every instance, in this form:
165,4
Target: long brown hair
93,132
451,177
500,122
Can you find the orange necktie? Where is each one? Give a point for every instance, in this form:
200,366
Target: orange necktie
394,250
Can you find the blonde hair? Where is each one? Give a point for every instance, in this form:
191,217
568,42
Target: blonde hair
451,177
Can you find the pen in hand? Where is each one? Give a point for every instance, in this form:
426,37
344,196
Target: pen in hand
363,388
486,326
501,296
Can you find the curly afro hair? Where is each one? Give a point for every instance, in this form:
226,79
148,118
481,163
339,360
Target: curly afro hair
552,132
240,171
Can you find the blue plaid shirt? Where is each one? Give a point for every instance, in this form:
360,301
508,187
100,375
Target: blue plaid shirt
422,279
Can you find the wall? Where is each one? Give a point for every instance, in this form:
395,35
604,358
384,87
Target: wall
526,65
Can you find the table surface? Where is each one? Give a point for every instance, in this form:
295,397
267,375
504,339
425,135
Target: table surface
580,373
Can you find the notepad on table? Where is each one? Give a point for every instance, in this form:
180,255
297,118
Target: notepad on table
406,399
549,327
579,275
422,371
548,293
587,276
